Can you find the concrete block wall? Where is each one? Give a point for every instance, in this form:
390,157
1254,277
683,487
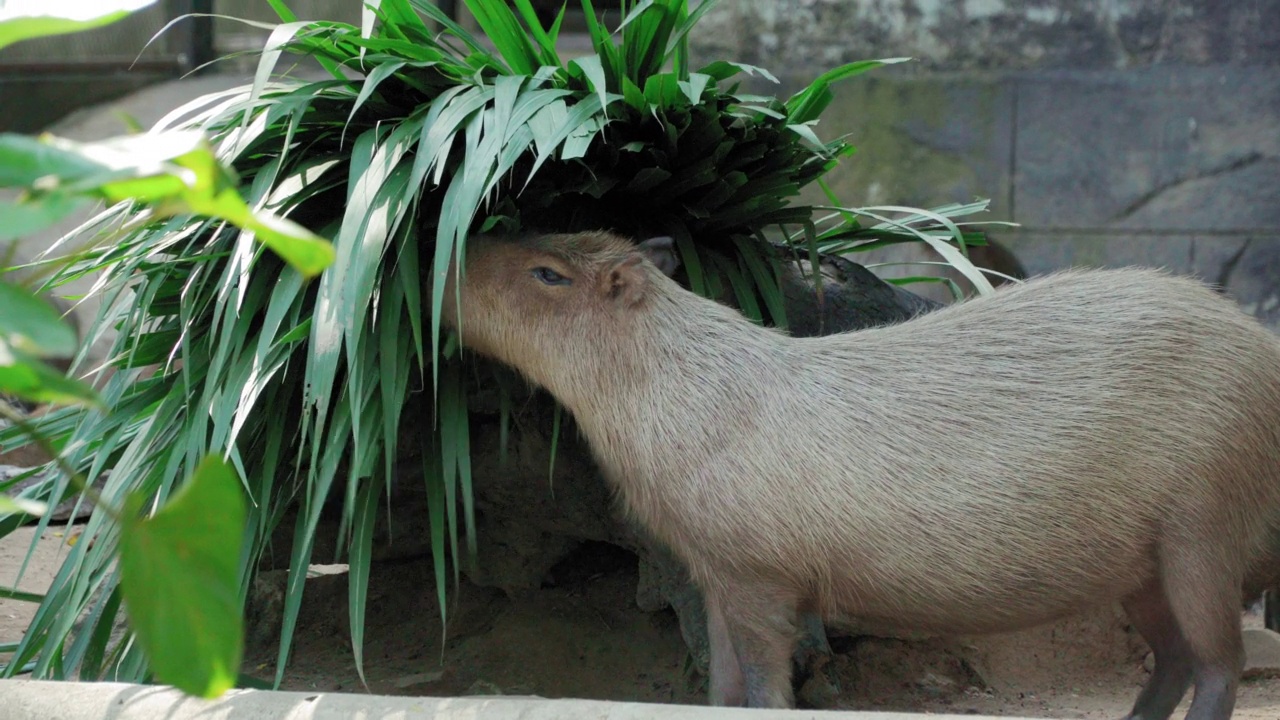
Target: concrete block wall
1114,133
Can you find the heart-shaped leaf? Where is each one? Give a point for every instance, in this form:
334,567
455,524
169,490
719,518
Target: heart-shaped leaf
180,574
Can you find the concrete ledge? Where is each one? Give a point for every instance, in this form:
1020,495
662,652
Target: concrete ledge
47,700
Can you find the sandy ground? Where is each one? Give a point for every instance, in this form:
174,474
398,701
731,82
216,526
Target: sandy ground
44,564
582,636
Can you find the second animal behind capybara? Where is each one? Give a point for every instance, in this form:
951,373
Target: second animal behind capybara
1086,437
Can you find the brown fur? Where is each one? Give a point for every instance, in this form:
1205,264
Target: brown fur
1086,437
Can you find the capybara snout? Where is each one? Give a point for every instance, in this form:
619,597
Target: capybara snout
1086,437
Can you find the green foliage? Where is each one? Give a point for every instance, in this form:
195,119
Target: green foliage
179,570
174,173
10,505
168,174
179,574
31,326
31,330
224,349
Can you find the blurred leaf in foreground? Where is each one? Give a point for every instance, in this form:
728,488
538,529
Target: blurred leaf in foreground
175,172
30,325
11,506
30,330
30,379
180,578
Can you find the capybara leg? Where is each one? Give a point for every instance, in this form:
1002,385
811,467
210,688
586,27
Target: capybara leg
766,668
813,638
1204,594
761,627
1151,616
811,662
727,688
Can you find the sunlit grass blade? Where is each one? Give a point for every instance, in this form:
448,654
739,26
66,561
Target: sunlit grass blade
557,420
953,256
358,574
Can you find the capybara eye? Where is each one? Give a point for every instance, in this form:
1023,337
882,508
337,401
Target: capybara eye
551,277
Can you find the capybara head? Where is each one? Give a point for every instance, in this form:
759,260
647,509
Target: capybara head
535,300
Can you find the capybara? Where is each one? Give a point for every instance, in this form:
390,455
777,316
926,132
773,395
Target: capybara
1085,437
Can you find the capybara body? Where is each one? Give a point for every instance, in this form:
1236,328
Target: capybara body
1085,437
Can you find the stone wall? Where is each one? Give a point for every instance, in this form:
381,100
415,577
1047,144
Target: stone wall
1114,133
994,34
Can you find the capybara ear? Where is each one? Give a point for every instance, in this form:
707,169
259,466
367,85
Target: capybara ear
661,252
626,281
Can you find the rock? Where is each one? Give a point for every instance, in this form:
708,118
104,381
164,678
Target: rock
483,687
70,510
426,678
27,456
790,37
934,668
818,691
1262,653
935,685
1191,160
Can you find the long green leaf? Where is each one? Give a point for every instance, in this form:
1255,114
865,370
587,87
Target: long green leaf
359,561
808,104
500,24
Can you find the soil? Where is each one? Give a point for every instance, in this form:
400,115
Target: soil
582,635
